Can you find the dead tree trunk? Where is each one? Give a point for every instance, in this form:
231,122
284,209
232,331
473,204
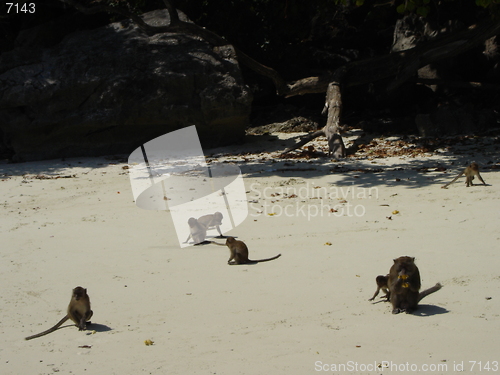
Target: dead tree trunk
332,129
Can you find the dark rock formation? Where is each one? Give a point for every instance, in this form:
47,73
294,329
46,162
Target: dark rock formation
111,89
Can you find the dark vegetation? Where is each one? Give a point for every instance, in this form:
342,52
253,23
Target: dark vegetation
301,39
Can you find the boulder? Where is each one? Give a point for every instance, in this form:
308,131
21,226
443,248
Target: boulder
108,90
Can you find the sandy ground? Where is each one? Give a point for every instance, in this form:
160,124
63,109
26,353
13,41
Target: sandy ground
304,313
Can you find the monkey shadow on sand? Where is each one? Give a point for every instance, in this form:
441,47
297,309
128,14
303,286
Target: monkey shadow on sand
208,241
429,310
90,327
98,327
202,243
378,301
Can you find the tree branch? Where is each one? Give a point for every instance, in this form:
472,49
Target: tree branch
172,12
402,65
304,140
460,85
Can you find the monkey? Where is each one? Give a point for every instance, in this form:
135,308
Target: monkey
212,221
197,231
239,252
382,284
404,285
78,311
471,171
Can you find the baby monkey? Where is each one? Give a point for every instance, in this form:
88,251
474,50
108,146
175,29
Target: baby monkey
382,284
78,311
238,252
471,171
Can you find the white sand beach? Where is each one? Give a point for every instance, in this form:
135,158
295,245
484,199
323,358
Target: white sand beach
337,224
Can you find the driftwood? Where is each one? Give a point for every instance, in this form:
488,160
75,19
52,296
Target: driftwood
399,66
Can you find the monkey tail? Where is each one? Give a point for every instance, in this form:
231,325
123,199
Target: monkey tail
449,183
216,243
50,330
264,260
428,291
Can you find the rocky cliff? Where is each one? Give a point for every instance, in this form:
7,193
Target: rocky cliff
110,89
